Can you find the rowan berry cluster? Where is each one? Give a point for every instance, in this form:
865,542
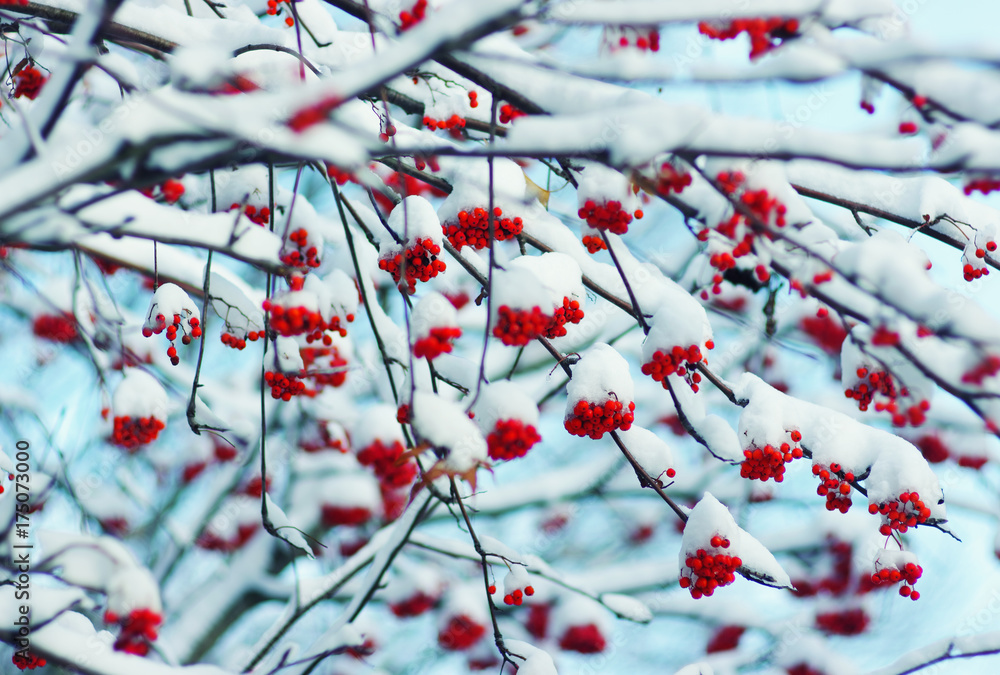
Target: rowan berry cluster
988,367
825,331
337,364
28,82
461,632
473,228
438,342
313,114
261,217
516,597
239,343
304,255
594,244
765,34
138,629
724,639
769,462
415,605
585,639
835,485
55,327
607,216
670,179
738,228
908,575
409,19
391,468
984,185
171,190
595,420
509,113
132,432
421,264
454,122
213,542
518,327
511,439
847,622
643,40
705,571
900,515
345,515
27,660
161,324
839,578
881,383
289,321
570,312
679,361
284,386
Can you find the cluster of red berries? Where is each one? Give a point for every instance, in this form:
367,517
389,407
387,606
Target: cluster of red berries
337,364
461,632
28,82
303,256
763,33
839,578
511,439
473,99
650,41
234,342
171,190
408,20
882,383
826,332
607,216
594,244
518,327
288,321
835,485
345,515
406,184
313,114
415,605
764,209
988,367
678,360
473,228
55,327
709,571
669,179
139,628
907,128
132,432
900,515
421,264
971,272
570,312
27,660
724,639
403,413
595,420
585,639
213,542
908,575
391,468
272,9
846,622
509,113
437,343
984,185
516,597
261,217
453,122
769,461
161,325
286,386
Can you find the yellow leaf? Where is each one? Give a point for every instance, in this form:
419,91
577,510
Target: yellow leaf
536,190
